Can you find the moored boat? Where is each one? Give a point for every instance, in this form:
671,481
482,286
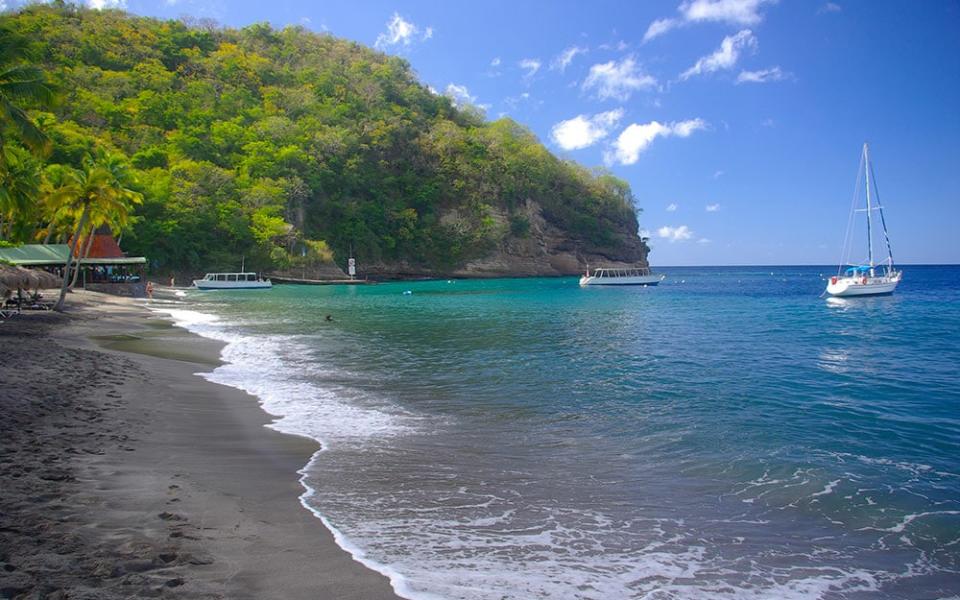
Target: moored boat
232,281
870,279
621,276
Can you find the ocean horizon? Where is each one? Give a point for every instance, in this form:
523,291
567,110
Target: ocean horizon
728,433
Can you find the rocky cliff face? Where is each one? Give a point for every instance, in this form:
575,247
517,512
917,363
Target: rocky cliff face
544,251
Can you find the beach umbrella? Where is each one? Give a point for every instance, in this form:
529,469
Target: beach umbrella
45,280
14,277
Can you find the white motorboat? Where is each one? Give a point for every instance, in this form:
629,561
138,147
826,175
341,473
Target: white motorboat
870,279
621,276
232,281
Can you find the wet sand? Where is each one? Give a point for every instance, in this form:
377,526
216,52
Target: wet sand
123,474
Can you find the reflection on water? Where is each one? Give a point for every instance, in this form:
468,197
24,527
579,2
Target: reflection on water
727,434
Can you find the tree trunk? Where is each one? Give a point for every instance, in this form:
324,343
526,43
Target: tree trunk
46,240
73,248
84,254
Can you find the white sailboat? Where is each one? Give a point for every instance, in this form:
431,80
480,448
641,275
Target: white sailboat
871,278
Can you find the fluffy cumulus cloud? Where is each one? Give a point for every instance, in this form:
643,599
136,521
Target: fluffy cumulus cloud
530,66
761,76
617,80
583,131
712,207
103,4
636,138
725,57
732,12
675,234
459,94
401,32
563,60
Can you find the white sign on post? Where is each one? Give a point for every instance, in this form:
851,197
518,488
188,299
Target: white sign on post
352,267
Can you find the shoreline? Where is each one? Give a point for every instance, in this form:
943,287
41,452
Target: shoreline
167,484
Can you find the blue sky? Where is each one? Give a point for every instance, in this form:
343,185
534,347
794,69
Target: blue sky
738,123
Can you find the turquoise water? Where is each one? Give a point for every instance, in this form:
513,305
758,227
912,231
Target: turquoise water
727,434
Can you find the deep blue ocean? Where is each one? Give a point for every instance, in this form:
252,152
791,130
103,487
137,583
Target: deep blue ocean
728,434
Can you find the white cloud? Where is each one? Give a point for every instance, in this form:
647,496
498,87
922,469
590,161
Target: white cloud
659,27
400,32
762,76
617,80
637,137
718,173
672,207
459,94
732,12
726,55
712,207
829,7
675,234
531,66
495,62
703,241
563,60
102,4
582,131
686,128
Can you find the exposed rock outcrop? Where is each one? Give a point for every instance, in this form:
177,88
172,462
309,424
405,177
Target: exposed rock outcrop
544,250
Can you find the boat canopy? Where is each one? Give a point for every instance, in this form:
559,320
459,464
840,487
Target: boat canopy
857,269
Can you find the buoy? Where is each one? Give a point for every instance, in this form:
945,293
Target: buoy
407,292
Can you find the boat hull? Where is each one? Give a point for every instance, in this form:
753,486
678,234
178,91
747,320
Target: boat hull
635,280
201,284
847,287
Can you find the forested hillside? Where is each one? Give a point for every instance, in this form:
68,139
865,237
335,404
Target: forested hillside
286,145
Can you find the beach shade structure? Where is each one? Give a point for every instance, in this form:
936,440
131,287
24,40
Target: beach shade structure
14,277
25,279
45,280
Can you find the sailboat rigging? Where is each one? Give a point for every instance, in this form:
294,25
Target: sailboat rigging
870,279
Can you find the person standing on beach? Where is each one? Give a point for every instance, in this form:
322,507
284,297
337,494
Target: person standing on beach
150,290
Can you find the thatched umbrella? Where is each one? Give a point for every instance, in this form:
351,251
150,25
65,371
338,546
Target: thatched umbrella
26,279
48,280
14,277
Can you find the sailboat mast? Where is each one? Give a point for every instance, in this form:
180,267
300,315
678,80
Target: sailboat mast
866,159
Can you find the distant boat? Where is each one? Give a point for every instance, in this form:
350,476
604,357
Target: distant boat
621,276
870,279
232,281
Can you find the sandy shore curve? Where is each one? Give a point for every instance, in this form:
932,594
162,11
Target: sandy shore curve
124,474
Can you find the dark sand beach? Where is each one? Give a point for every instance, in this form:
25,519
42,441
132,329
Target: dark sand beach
123,474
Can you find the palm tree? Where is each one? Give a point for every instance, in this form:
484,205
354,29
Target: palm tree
21,83
116,215
99,189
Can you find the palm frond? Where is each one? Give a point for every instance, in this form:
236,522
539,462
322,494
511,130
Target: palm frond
31,135
13,47
27,83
